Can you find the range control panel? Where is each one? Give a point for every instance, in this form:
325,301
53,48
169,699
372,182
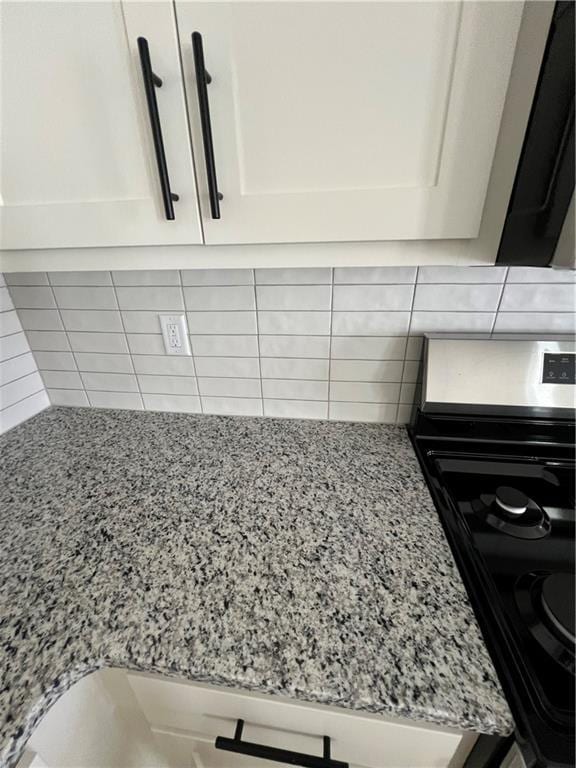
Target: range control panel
559,368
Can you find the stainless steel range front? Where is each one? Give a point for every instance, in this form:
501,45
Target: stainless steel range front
494,433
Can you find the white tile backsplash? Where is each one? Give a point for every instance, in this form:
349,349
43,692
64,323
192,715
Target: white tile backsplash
151,298
289,297
457,298
293,368
220,298
530,297
221,323
297,323
97,342
74,297
343,343
370,323
380,298
110,382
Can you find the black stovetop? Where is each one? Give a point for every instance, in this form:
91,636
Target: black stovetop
517,561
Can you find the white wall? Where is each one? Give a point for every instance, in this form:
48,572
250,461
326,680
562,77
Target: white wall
22,392
338,344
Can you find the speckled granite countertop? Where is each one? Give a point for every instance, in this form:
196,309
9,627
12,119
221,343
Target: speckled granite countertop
292,557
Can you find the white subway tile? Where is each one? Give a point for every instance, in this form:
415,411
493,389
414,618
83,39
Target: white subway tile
530,297
296,409
407,392
292,368
142,322
227,387
126,400
222,323
30,297
76,398
74,297
168,385
12,346
297,323
240,367
86,278
375,275
224,346
540,275
414,348
164,364
404,414
9,323
373,412
459,322
111,382
294,276
177,403
16,368
411,370
23,410
51,341
106,363
62,379
295,346
298,297
232,406
55,361
157,298
2,281
6,304
381,298
294,389
217,277
92,320
98,342
461,274
17,390
535,322
362,392
220,298
146,343
366,370
368,347
40,319
370,323
26,278
457,298
146,277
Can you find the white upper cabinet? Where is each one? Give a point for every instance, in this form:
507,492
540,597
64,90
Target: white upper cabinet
78,164
347,120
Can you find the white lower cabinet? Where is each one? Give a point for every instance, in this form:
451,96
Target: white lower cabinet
114,719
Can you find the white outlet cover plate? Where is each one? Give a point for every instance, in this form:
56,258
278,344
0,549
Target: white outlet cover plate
175,334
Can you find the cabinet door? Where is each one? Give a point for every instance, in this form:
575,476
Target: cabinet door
349,120
78,166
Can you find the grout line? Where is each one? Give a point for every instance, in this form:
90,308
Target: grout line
127,345
19,378
503,286
330,341
183,296
258,338
406,344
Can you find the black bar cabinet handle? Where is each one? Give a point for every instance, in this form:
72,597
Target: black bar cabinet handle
286,756
152,81
202,80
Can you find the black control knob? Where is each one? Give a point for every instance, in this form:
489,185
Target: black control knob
512,501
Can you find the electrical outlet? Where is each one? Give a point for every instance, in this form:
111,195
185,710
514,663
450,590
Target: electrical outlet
175,334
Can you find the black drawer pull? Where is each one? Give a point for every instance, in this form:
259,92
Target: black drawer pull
152,81
275,754
202,80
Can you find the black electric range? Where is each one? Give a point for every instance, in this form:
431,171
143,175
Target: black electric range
502,476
